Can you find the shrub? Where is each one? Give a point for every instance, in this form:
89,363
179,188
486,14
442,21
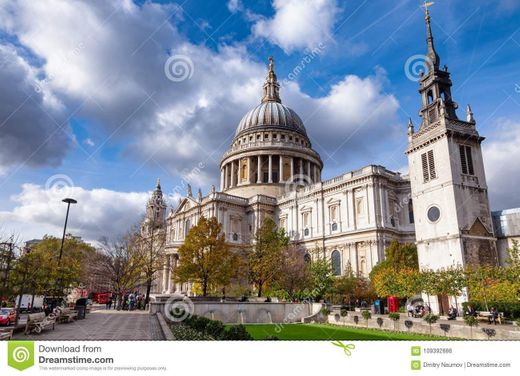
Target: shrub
343,311
199,323
215,329
183,332
237,333
471,320
325,311
394,316
366,314
430,318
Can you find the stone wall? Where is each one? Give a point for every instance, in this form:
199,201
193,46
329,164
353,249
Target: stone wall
455,329
250,313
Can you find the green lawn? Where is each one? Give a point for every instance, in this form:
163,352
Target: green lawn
328,332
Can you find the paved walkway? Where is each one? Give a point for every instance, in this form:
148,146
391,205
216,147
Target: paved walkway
104,325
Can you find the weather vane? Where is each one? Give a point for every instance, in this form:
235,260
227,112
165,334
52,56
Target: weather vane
426,5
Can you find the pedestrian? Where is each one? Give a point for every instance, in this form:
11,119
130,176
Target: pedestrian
409,309
493,316
109,303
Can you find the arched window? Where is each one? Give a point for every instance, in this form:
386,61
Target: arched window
307,258
187,226
430,97
335,259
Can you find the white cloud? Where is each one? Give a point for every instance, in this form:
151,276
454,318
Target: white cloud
234,6
298,24
501,155
99,212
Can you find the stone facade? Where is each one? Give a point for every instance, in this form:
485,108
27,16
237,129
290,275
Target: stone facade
507,229
271,170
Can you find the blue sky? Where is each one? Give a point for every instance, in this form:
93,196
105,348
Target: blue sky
87,109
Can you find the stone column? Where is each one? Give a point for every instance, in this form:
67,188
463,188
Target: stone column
270,172
309,170
165,277
248,178
259,169
169,289
280,172
232,183
222,174
291,178
300,171
315,168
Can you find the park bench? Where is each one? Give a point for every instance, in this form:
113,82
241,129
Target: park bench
6,334
66,315
37,322
484,315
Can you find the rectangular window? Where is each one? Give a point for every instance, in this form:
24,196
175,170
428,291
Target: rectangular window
428,166
466,161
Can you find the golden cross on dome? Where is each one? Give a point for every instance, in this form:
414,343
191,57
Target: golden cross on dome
271,64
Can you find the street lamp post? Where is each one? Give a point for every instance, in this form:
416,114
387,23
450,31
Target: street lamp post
68,201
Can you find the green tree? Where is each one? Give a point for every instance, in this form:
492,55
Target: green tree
51,275
267,255
322,277
205,257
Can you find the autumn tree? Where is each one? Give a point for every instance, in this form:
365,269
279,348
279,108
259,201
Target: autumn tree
205,257
294,274
398,274
267,254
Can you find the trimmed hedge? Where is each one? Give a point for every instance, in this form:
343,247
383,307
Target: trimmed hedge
201,328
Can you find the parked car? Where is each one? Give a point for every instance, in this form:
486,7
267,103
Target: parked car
7,316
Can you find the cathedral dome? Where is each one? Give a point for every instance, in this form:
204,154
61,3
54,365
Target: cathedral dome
270,149
271,114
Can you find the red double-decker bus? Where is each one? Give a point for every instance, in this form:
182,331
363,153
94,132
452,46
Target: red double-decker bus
101,297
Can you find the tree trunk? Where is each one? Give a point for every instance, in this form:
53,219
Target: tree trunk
205,288
148,289
260,290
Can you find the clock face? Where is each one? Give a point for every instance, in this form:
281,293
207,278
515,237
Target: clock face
434,213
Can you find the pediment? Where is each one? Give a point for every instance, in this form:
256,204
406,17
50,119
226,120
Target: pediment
186,204
478,229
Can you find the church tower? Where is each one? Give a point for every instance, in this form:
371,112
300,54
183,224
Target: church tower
155,210
449,192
